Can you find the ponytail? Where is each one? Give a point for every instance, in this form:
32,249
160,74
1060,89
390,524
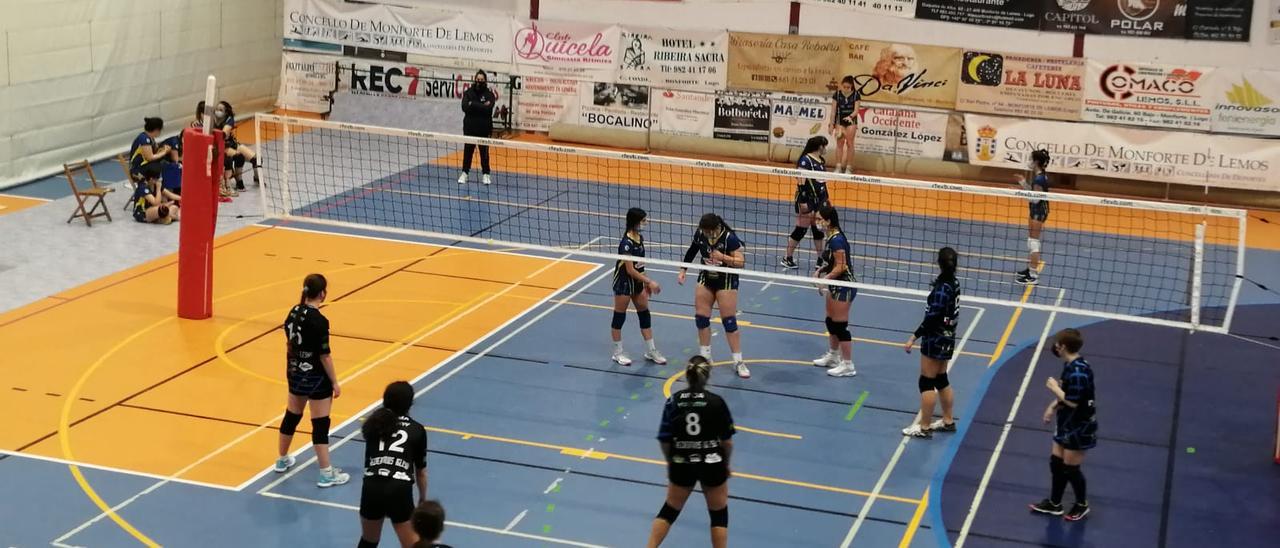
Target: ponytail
698,372
312,287
396,400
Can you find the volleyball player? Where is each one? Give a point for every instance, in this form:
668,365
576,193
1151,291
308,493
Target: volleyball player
1038,180
696,438
844,125
146,158
811,194
836,264
937,335
311,379
632,286
395,458
719,246
153,204
428,523
1077,426
237,153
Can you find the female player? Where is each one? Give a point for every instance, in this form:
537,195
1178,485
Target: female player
937,334
146,159
154,204
1077,428
395,458
844,125
632,286
837,264
696,438
811,194
237,153
1039,180
719,246
428,523
311,378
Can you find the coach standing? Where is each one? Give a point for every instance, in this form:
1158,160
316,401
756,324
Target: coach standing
477,121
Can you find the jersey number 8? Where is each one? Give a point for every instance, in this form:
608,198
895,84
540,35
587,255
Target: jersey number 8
692,424
398,445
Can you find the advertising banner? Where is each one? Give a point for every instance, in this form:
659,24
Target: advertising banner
1246,102
895,8
1017,14
687,113
307,82
783,62
677,59
796,118
614,106
406,81
903,74
1166,96
545,101
1275,21
444,34
1012,84
742,117
1128,153
1225,20
1152,18
555,49
901,132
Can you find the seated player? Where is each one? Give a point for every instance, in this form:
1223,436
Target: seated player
152,204
237,153
146,158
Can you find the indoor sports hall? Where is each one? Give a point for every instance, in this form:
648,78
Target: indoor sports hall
147,355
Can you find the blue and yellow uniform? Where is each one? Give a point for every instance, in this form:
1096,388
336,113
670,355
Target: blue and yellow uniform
1077,426
139,199
836,241
139,166
623,283
726,242
1040,208
846,106
811,193
937,332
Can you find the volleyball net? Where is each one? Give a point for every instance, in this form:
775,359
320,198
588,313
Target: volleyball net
1149,262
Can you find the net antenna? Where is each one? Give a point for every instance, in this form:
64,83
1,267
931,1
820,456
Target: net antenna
1156,263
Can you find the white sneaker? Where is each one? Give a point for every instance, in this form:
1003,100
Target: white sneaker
830,359
940,426
462,179
621,358
486,179
656,357
741,368
283,464
335,476
845,369
916,432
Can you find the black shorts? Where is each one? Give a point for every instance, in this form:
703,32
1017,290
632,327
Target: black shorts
313,384
807,204
690,474
149,170
1076,435
938,347
386,498
626,285
718,281
1040,211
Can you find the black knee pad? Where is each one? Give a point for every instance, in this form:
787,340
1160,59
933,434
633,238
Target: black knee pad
940,381
925,384
619,319
817,234
238,161
320,431
831,329
668,514
842,331
646,319
798,233
719,518
290,423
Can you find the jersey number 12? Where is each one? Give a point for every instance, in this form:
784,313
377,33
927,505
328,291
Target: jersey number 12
398,445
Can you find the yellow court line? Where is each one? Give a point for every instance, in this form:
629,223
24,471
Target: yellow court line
914,524
602,455
772,328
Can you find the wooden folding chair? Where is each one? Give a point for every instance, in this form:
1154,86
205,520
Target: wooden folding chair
131,181
86,195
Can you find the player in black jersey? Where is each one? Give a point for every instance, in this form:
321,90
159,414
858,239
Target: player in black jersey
631,285
428,523
844,122
1077,426
696,438
395,457
1037,180
811,194
937,335
719,246
311,378
836,263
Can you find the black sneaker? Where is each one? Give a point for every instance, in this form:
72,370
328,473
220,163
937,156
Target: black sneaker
1047,506
239,184
939,426
1027,277
788,263
1077,513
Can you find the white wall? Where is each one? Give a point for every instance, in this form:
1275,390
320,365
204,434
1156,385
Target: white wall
748,15
78,76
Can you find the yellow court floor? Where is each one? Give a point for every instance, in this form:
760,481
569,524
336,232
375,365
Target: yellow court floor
13,204
106,374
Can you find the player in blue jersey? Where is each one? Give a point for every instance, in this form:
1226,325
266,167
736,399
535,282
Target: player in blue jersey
836,264
146,158
1037,180
1076,430
844,122
937,335
719,246
632,287
811,194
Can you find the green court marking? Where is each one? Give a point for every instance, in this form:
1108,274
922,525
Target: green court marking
546,529
590,437
556,489
688,350
619,409
604,423
635,396
551,508
774,299
1191,450
856,406
648,384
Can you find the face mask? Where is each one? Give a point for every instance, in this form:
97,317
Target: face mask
821,224
640,227
480,84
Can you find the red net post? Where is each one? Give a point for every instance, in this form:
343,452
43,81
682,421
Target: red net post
202,170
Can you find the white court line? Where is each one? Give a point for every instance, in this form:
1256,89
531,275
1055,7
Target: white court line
552,486
100,467
459,525
432,244
334,446
515,521
1008,425
246,435
902,446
